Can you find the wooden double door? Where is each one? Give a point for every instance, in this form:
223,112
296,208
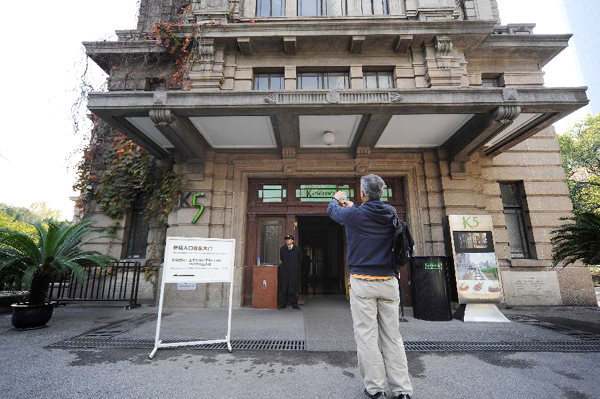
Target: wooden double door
278,207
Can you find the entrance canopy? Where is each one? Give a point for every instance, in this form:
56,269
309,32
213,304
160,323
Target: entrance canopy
184,124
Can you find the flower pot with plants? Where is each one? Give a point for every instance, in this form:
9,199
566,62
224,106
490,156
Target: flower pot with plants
55,249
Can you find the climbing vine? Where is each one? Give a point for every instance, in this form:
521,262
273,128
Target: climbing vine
182,47
114,171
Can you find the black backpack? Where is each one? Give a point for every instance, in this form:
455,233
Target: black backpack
403,245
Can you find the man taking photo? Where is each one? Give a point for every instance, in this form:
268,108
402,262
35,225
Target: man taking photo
374,297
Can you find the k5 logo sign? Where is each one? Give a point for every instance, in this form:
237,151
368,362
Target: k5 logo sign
470,222
192,200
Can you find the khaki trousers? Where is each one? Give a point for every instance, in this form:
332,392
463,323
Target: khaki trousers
379,346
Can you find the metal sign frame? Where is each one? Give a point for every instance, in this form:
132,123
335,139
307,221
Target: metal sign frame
158,343
476,308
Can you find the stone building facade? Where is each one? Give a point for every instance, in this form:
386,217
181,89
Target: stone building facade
436,96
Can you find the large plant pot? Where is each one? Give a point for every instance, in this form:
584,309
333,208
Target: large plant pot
31,316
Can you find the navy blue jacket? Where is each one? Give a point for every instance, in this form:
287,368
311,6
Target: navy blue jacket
369,236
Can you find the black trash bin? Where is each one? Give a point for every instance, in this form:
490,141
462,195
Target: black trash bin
429,288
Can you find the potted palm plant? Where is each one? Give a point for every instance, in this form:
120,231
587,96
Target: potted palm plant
55,249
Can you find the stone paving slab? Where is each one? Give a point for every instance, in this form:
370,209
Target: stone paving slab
29,368
324,323
247,323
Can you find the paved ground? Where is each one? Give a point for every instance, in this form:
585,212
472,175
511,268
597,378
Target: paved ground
327,369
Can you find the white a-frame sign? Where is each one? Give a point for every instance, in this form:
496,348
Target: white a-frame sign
196,260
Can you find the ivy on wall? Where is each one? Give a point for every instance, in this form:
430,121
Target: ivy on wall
114,171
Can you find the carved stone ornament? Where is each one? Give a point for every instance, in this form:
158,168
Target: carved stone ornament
332,97
443,46
159,97
362,168
289,168
288,152
162,117
396,98
510,94
271,98
506,114
363,152
206,55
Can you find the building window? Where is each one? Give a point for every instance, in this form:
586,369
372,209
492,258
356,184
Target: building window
517,222
322,192
378,80
374,7
323,80
268,81
388,193
313,8
272,193
137,237
270,8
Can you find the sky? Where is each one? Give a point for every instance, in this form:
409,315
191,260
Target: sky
38,148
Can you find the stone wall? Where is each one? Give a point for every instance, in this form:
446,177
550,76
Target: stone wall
433,192
537,162
153,11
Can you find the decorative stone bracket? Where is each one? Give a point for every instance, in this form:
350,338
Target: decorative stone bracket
474,134
289,161
185,141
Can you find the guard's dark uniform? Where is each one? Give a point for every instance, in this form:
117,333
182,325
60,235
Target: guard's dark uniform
289,275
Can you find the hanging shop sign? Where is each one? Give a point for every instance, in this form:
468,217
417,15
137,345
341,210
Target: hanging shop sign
476,267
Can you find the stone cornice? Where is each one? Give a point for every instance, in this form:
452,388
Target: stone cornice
106,51
122,47
414,101
541,47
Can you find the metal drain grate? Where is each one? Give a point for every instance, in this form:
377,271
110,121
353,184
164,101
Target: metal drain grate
247,344
285,345
571,332
533,346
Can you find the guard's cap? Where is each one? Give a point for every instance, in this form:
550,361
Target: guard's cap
289,236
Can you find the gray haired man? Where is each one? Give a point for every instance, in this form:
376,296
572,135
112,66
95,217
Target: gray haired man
374,297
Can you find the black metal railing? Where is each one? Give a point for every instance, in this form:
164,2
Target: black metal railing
118,282
10,290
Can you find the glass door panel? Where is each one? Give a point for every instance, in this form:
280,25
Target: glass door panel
270,239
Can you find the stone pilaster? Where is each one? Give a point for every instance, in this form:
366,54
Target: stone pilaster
207,72
445,66
290,77
356,77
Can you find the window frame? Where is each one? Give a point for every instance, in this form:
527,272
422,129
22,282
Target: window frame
321,8
385,7
130,250
518,207
378,75
323,80
270,77
283,6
